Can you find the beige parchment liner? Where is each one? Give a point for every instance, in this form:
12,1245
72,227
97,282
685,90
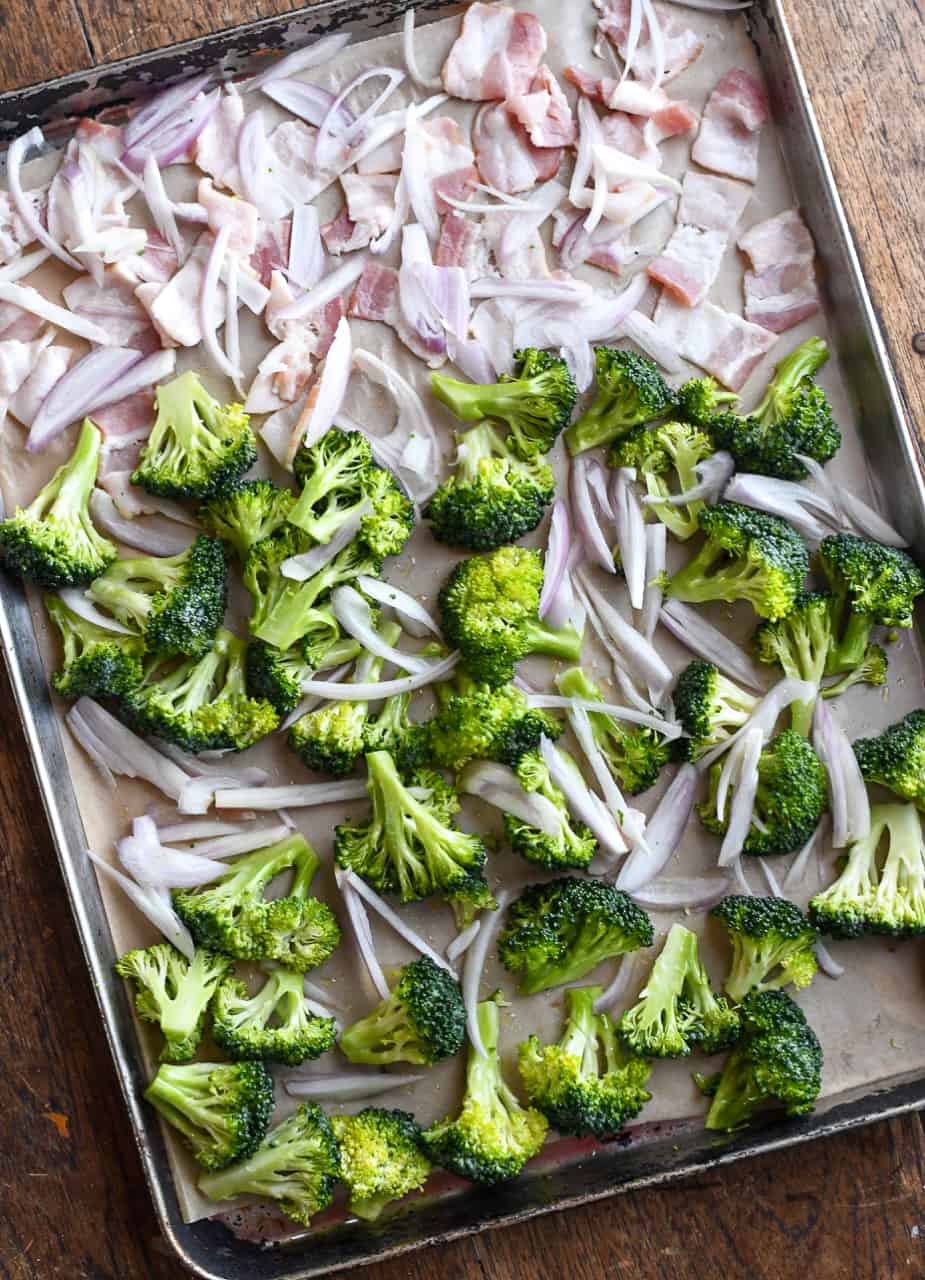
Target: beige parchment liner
872,1021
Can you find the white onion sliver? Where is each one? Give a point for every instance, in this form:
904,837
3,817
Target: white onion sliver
24,209
631,533
663,832
24,265
567,777
708,642
639,657
161,208
30,300
327,395
160,868
743,801
693,893
401,927
294,796
153,905
356,618
415,618
235,843
463,941
346,1086
125,752
667,728
197,829
137,533
300,60
359,922
411,62
330,287
618,984
499,786
584,734
306,252
307,563
584,514
849,802
474,967
383,688
869,522
798,867
558,545
80,604
656,561
827,962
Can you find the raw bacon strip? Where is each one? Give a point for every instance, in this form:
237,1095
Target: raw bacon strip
669,116
14,234
783,238
18,324
156,265
17,360
51,365
448,160
780,290
462,244
545,112
631,136
711,203
719,342
689,263
368,211
495,55
114,307
506,157
375,296
215,151
607,246
735,112
127,420
272,249
682,45
230,211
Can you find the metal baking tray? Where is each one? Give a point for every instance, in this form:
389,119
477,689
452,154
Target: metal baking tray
570,1173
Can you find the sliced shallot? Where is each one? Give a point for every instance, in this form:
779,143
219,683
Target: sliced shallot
743,801
631,715
689,893
123,751
154,905
411,62
153,540
656,561
84,607
474,967
463,941
401,927
24,208
362,934
631,533
346,1086
848,799
585,805
414,617
498,785
706,641
663,832
585,512
713,476
356,618
292,64
555,563
332,286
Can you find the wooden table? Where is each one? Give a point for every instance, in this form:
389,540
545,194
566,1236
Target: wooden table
72,1199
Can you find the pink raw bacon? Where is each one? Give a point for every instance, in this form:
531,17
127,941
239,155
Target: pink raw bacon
462,244
18,324
545,112
781,289
113,305
506,157
272,249
215,151
689,263
51,365
721,343
126,420
368,211
732,121
375,296
682,45
669,116
495,55
448,160
711,203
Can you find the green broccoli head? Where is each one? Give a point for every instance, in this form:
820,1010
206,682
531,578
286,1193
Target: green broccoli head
98,663
53,541
871,585
701,399
493,497
747,555
630,392
666,458
275,1025
391,729
790,800
573,845
896,758
470,897
221,1109
870,670
777,1063
489,605
586,1083
245,512
175,603
331,738
709,707
277,675
297,1165
479,722
409,845
772,944
174,992
881,889
799,644
380,1158
635,754
493,1136
557,932
197,447
422,1020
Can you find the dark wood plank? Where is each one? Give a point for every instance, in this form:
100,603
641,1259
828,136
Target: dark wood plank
41,41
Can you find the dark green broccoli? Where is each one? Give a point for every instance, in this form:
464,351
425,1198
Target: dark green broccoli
233,915
772,944
222,1109
245,512
872,585
709,707
573,845
747,555
701,399
409,846
275,1025
896,758
489,606
586,1083
790,800
422,1021
799,644
297,1165
557,932
98,663
470,897
197,447
201,704
777,1063
478,722
493,1136
392,729
380,1158
676,1011
793,417
536,402
881,889
630,392
666,458
870,670
175,603
278,674
635,754
174,992
53,541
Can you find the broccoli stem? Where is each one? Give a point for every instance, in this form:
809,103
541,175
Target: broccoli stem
484,1081
564,643
706,577
788,375
178,1102
848,651
599,424
68,491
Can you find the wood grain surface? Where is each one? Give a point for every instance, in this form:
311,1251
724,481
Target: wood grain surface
73,1203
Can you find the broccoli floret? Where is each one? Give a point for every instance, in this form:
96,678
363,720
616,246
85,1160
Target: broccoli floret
747,555
870,670
777,1062
557,932
573,845
700,399
871,585
392,729
677,1011
799,644
232,914
896,758
222,1109
297,1164
409,845
630,392
380,1158
245,512
202,704
422,1021
493,1136
98,663
586,1083
275,1025
709,707
53,542
536,402
882,886
278,674
477,722
772,944
175,603
790,800
174,992
469,898
635,754
489,606
197,447
673,449
793,417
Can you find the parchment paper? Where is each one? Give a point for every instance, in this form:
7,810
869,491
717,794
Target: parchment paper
872,1021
